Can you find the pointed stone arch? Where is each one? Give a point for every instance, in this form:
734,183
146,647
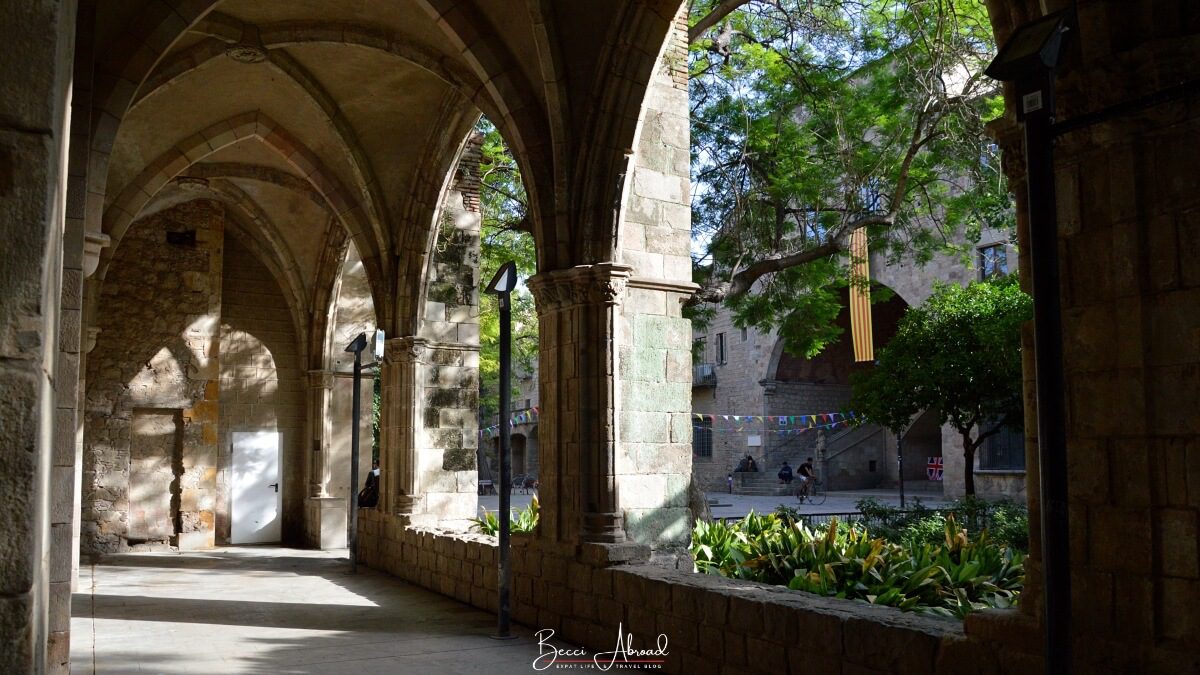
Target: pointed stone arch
251,125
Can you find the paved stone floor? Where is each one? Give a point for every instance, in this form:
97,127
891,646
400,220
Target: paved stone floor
275,610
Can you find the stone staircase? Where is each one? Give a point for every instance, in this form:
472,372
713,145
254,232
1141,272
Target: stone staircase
761,484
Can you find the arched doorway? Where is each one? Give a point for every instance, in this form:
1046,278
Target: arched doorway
849,458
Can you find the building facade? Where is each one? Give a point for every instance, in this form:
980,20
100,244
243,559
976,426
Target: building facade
789,408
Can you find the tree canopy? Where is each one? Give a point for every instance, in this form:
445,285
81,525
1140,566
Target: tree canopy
812,118
958,353
505,236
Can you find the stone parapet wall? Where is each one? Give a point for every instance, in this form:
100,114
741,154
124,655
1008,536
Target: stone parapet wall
712,624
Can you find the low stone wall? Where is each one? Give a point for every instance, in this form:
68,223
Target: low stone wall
713,624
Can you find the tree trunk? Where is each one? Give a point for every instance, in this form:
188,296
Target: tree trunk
969,469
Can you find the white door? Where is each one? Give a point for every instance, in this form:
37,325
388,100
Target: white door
257,496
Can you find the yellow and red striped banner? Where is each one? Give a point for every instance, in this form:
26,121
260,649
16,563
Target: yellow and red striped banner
860,297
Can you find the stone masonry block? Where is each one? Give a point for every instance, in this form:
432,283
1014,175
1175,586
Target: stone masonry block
891,646
1179,532
643,427
746,615
1120,540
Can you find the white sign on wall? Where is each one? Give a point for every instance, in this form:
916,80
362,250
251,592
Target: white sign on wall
754,441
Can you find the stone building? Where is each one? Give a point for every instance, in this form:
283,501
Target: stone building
124,121
747,373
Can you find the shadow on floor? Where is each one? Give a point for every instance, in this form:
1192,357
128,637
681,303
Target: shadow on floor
278,611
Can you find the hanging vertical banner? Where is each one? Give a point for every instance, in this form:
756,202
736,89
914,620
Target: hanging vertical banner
860,297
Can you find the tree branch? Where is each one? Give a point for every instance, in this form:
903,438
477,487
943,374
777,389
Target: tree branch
711,19
742,281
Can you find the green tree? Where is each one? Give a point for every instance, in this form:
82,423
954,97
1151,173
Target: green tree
506,235
959,353
813,118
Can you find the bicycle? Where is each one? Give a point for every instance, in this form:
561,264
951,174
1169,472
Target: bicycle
816,494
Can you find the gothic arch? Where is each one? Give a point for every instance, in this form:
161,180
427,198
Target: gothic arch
256,125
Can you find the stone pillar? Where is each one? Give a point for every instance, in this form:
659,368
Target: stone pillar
320,387
653,340
1128,226
429,434
324,515
34,124
400,424
578,314
654,467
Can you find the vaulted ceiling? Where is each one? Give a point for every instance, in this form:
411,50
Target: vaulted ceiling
305,116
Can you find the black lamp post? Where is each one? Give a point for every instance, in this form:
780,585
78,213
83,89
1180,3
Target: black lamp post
1029,59
357,346
502,285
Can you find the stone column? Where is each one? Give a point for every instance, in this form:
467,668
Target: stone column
320,387
37,74
324,514
399,426
429,430
578,314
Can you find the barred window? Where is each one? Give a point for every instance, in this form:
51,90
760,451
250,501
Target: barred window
702,440
1004,450
993,261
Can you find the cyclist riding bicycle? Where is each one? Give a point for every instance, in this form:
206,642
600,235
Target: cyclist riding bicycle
808,478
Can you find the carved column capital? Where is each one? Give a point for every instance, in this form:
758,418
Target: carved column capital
409,349
93,242
320,379
599,284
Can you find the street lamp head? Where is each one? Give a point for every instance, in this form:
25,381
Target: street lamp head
1033,48
358,344
505,280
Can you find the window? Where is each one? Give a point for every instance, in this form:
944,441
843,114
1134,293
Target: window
700,350
993,261
743,335
989,156
720,348
702,438
1004,451
871,196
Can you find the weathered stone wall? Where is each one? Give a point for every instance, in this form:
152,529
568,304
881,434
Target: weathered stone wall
157,350
430,381
739,391
1128,207
653,433
712,624
262,384
991,484
36,72
450,376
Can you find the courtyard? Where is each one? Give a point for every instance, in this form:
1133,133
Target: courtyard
937,243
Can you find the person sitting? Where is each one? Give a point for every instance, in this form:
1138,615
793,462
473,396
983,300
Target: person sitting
368,497
808,477
753,465
785,474
743,465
